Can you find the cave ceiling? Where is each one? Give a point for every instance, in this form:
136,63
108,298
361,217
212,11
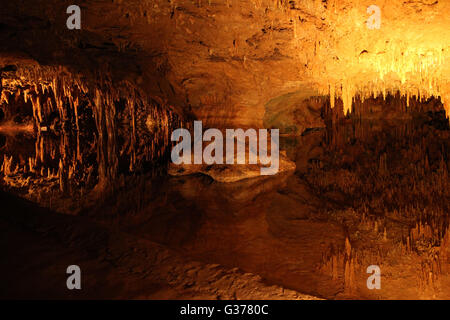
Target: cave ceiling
224,60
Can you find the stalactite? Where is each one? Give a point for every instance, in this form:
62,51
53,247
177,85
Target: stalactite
55,93
332,96
7,165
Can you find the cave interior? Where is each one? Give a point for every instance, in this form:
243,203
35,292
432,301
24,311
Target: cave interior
359,91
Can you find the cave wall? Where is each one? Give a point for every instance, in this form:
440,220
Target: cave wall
222,61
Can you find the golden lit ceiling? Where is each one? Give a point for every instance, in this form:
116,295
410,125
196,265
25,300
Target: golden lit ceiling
228,58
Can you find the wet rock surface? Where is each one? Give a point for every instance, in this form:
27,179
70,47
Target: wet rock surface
231,173
115,265
85,124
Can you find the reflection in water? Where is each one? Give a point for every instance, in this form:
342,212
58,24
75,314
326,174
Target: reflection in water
75,144
364,193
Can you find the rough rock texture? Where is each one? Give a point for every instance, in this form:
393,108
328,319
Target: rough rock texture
230,63
224,60
230,173
116,264
292,115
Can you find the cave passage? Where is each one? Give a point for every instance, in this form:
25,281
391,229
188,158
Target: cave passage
292,229
353,95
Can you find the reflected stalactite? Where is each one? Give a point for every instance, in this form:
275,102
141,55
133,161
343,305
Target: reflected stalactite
86,136
106,139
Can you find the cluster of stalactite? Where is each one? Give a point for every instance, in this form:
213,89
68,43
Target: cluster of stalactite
427,242
399,63
429,238
348,265
350,95
150,127
342,264
392,106
344,58
432,236
412,131
85,132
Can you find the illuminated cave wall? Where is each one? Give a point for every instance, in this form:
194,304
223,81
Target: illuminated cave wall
224,60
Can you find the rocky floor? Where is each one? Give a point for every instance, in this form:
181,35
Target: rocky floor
38,245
